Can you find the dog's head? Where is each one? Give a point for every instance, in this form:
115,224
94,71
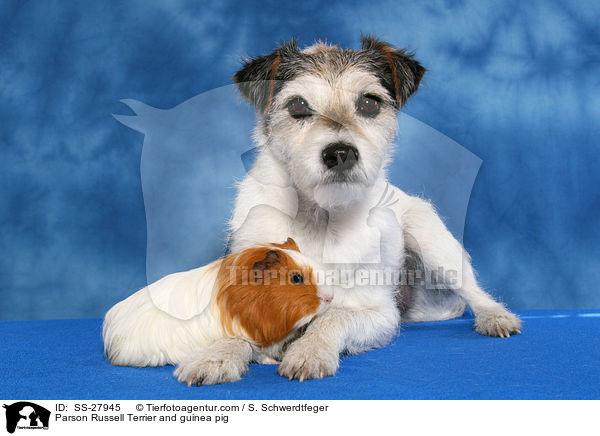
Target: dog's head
330,114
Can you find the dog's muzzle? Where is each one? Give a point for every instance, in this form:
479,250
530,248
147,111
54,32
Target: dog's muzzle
340,156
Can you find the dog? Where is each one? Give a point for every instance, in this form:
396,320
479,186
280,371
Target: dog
326,118
212,321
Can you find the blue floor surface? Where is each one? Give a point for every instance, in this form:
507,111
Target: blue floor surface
556,357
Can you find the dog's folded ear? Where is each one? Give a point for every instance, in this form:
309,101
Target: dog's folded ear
260,77
398,71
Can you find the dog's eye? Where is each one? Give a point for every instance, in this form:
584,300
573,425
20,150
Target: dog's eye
298,108
297,278
368,105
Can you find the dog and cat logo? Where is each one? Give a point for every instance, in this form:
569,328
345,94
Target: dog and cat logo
26,415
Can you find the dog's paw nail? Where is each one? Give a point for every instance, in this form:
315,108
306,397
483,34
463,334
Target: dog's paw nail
207,371
497,322
304,372
305,361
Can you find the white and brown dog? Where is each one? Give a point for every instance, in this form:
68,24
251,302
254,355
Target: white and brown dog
212,321
326,120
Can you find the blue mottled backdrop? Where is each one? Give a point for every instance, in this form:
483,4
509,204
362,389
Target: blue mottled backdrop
516,83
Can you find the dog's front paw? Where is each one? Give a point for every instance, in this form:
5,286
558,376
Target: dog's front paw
210,371
497,322
307,359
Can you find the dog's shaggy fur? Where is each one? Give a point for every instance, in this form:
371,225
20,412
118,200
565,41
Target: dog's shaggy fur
325,103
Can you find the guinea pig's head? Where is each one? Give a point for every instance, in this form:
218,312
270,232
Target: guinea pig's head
266,292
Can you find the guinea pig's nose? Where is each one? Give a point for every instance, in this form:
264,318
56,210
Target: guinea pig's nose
340,156
327,298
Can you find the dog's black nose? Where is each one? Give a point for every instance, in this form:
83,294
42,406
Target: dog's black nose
340,156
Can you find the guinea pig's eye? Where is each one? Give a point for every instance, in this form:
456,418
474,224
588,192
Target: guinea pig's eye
298,108
297,278
368,105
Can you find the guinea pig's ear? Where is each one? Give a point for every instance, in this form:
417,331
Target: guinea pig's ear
289,244
260,77
399,72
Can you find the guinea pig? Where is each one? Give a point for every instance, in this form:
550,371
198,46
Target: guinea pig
212,321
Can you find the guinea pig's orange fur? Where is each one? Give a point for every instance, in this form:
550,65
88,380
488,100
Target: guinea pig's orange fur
255,293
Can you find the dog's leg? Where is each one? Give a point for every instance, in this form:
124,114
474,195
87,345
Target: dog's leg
426,234
316,354
418,302
225,360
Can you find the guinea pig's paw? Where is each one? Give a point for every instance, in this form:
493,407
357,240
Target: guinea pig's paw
308,358
210,371
497,322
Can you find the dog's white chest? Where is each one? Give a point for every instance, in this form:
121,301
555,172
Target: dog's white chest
345,238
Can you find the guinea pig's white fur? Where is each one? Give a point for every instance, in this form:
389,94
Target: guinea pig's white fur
212,321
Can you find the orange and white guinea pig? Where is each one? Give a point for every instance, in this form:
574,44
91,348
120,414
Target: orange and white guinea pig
212,321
